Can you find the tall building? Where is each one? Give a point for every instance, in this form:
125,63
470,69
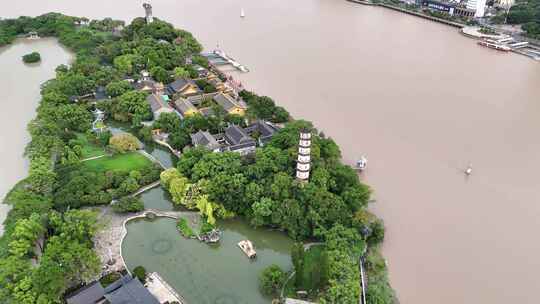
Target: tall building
479,6
303,164
148,12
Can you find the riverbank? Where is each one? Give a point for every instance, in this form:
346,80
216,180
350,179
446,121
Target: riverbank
406,11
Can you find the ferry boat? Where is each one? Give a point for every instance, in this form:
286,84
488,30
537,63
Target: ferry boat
494,45
247,248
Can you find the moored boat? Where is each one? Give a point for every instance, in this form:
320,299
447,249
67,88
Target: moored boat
494,45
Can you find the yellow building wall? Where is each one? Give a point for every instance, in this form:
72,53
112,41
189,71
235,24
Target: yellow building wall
237,111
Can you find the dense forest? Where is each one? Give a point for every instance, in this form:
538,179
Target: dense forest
331,208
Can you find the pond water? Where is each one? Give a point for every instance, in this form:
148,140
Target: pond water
161,154
201,273
156,198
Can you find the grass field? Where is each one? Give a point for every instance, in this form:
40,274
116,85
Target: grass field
88,148
123,162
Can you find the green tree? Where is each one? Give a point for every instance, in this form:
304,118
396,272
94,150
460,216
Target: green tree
124,142
262,210
180,72
117,88
160,74
32,57
297,256
140,273
271,280
128,204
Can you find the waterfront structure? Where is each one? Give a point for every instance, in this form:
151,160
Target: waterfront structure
479,6
451,8
231,105
159,105
148,12
303,163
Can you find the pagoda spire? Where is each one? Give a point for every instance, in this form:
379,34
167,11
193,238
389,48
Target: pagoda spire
303,163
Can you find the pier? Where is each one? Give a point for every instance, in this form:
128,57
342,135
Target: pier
219,57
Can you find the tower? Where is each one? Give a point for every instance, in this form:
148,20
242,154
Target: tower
479,6
303,164
148,12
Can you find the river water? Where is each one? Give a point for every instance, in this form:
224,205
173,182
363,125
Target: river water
19,91
420,101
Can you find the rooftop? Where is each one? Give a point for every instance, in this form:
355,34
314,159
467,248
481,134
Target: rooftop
235,135
157,102
89,294
205,139
184,105
227,102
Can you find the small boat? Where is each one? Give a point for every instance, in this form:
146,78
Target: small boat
242,13
468,171
247,248
361,164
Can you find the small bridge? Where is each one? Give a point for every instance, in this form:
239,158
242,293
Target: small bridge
147,187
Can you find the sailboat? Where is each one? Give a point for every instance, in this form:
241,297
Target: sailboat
242,13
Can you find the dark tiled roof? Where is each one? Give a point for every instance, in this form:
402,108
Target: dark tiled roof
156,102
178,85
129,291
227,102
184,105
236,135
89,294
205,139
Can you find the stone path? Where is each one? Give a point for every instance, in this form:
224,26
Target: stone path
94,157
108,241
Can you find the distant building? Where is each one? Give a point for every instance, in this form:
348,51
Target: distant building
453,9
183,87
158,105
230,105
148,13
205,139
479,6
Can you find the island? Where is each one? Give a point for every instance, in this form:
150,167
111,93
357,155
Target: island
31,57
237,155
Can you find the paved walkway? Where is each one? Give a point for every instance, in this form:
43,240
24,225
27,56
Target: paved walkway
94,157
108,241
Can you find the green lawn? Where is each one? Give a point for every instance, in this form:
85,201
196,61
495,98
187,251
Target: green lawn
124,162
89,149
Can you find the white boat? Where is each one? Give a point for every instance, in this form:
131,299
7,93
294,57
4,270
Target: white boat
242,13
468,171
361,164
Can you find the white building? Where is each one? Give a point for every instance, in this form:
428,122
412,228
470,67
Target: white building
479,6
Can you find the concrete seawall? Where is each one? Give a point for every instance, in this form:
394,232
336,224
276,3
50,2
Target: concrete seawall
402,10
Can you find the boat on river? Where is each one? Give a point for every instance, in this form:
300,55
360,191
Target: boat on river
247,248
494,45
361,164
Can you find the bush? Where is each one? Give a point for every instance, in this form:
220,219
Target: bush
32,57
140,273
109,278
271,279
124,142
128,204
184,228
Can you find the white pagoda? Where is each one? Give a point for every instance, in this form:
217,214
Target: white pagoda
303,164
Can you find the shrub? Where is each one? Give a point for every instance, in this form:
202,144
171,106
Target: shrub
184,228
271,279
109,278
124,142
32,57
128,204
140,273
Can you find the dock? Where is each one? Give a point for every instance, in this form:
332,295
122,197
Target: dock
219,57
247,248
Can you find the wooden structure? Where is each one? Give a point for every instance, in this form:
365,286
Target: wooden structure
247,248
